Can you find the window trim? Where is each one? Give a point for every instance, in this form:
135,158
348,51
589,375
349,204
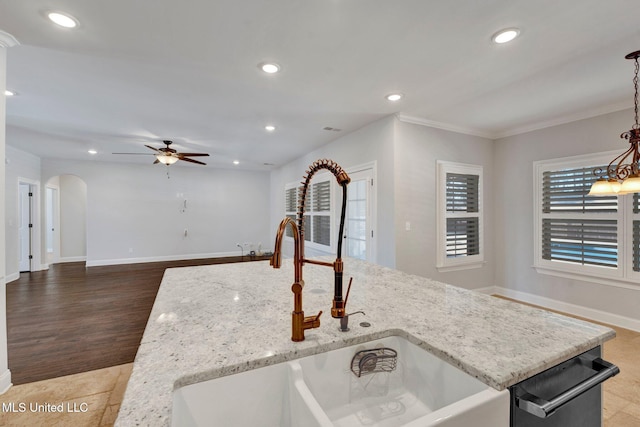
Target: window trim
623,274
443,263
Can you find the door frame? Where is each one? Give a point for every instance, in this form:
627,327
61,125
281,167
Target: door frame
55,258
372,207
35,238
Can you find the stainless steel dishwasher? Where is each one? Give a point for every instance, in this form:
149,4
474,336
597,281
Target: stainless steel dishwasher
567,395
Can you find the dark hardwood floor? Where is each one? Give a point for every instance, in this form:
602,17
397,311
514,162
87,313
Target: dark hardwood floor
72,319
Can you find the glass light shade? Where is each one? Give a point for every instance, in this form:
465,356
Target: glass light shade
602,187
166,159
630,185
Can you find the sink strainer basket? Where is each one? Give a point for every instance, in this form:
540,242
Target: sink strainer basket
375,360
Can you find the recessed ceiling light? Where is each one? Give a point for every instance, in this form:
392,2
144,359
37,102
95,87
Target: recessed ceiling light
236,162
270,128
8,92
505,36
92,152
394,97
63,19
269,67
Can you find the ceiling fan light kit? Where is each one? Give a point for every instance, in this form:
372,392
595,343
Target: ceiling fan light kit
166,159
168,156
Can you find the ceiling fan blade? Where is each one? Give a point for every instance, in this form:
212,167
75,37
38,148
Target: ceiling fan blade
157,161
153,148
186,159
193,154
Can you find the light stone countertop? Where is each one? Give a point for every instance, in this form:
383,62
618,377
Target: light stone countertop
217,320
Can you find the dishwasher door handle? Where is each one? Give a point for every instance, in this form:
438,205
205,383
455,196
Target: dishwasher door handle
543,408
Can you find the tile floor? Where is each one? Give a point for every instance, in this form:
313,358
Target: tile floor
88,399
96,396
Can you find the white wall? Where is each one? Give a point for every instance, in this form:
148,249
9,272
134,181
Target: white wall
73,218
136,214
20,166
513,182
417,149
372,143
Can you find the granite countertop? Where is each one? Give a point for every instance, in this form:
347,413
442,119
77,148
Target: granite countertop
218,320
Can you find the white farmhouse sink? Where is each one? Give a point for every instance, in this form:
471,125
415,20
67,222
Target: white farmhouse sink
323,390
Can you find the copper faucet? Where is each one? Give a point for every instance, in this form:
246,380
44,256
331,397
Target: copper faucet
299,322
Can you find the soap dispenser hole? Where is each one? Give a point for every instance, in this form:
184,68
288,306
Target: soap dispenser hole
365,324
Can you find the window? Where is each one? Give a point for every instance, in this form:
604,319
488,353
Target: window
459,204
582,236
317,218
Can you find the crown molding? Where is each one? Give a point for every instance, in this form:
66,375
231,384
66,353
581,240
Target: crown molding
444,126
7,40
568,118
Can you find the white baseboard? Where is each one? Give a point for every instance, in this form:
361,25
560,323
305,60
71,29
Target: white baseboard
565,307
5,381
101,262
488,290
72,259
11,277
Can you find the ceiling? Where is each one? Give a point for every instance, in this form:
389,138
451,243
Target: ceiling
137,72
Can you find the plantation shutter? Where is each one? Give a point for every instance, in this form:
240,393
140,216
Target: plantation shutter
290,207
462,192
636,234
463,237
581,241
567,191
463,223
636,245
569,232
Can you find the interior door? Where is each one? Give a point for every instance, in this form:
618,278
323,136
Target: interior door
24,226
359,232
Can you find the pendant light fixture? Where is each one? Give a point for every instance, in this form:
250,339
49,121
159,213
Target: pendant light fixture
622,174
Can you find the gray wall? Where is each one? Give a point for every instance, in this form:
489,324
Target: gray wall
513,183
417,149
73,218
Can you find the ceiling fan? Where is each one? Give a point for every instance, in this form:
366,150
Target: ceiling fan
168,156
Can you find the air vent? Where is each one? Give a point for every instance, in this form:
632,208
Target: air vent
331,129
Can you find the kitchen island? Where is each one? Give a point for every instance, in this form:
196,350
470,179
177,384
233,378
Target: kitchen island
218,320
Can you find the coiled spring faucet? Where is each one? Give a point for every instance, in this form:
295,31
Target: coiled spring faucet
299,321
